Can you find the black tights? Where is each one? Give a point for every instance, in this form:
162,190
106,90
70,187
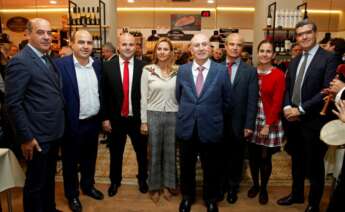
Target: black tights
260,161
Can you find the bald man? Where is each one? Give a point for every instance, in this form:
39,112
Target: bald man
35,104
121,89
81,76
203,93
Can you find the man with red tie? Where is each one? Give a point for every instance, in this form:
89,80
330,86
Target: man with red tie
121,93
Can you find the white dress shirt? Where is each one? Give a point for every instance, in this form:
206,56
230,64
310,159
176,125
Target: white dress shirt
130,76
195,70
87,88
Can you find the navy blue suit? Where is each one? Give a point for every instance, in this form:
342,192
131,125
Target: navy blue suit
80,142
35,105
199,127
242,116
304,144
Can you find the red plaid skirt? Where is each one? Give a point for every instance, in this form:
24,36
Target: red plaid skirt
276,132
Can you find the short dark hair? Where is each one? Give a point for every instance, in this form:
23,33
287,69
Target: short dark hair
339,45
109,46
306,22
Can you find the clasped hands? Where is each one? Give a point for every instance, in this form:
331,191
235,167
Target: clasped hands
292,114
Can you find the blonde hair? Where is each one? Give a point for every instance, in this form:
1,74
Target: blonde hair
172,56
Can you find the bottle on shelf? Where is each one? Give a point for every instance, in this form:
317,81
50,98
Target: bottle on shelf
77,19
269,19
88,16
92,16
97,19
72,20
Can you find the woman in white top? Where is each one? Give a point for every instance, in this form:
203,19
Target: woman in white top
158,118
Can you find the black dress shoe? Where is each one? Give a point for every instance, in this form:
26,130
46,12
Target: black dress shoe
253,191
212,207
312,209
289,200
232,197
263,197
112,190
143,187
185,205
75,205
94,193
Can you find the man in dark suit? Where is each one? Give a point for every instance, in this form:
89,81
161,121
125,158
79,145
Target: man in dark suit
240,122
35,105
81,88
121,89
203,92
308,74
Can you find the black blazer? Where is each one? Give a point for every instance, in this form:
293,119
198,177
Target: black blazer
113,92
318,76
34,98
245,99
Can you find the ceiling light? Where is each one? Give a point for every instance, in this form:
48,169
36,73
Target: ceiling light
210,1
131,1
52,2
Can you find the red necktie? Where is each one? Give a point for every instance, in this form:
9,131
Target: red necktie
125,86
230,69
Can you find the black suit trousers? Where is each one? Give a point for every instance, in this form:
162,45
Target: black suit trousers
210,161
80,152
233,153
307,155
39,188
120,130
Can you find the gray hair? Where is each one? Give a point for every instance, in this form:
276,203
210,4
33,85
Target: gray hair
306,22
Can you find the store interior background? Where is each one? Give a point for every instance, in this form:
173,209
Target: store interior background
250,20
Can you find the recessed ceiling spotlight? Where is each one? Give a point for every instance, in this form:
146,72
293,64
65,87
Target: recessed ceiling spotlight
131,1
52,2
210,1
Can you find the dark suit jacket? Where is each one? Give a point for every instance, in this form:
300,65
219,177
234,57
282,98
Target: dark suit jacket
207,109
34,98
318,76
71,93
113,92
245,92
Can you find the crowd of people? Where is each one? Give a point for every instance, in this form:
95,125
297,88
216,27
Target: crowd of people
212,106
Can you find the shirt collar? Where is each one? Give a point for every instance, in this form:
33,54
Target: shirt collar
37,52
237,61
76,62
206,65
313,50
122,61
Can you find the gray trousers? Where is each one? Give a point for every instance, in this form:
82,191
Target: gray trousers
162,150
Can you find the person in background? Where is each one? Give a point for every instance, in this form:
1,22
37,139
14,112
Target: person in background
246,57
308,74
81,75
240,121
268,134
108,51
296,50
203,93
337,46
139,54
158,119
65,51
13,50
337,87
35,105
121,95
217,55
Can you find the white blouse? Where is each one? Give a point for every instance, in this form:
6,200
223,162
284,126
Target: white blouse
157,91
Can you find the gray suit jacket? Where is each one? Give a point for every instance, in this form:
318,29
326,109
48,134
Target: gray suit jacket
34,98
